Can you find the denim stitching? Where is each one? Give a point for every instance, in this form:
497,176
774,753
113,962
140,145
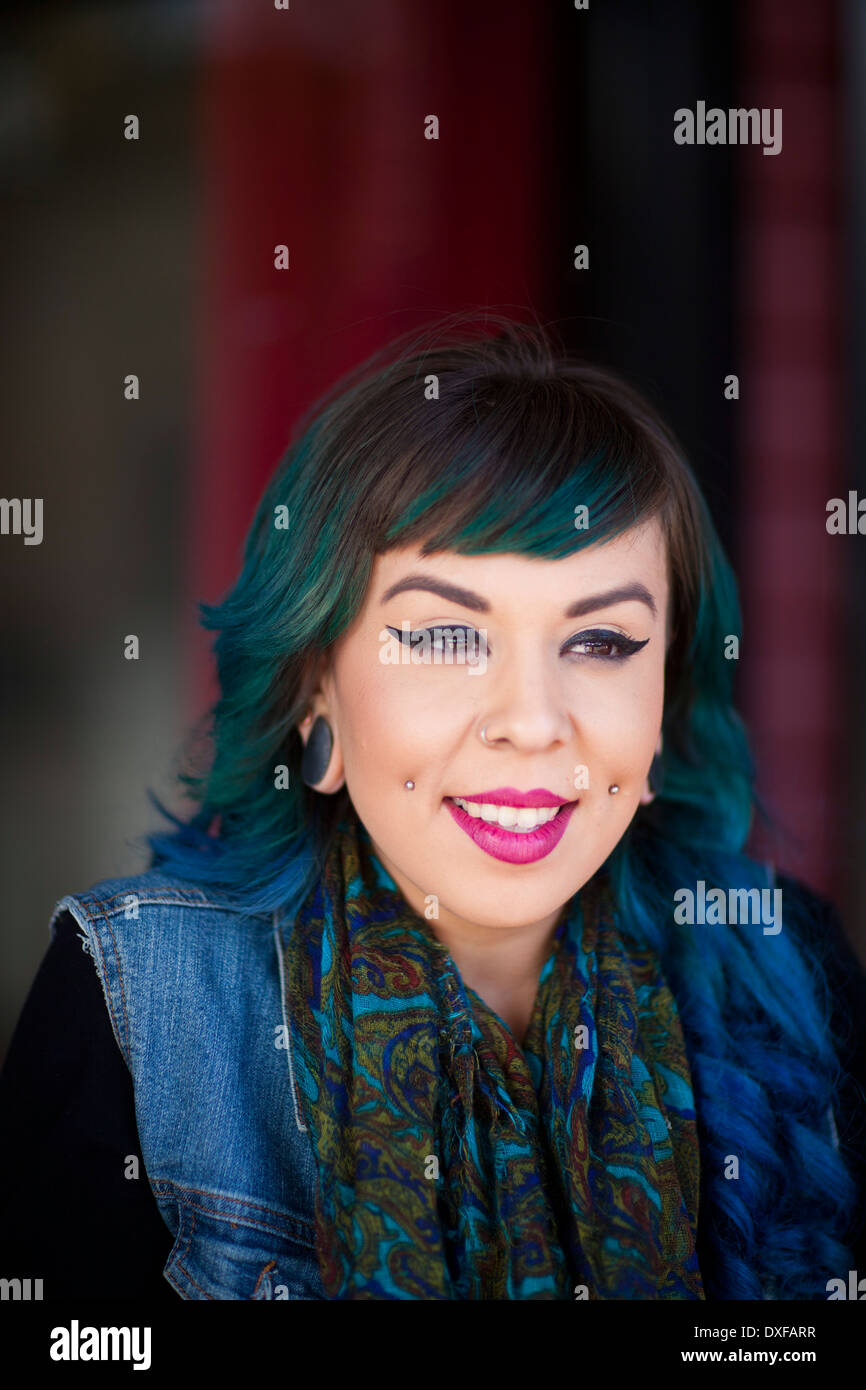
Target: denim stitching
280,965
282,1224
181,1266
108,992
282,1232
120,984
271,1265
177,898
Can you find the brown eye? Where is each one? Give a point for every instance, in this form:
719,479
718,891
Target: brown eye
605,646
598,647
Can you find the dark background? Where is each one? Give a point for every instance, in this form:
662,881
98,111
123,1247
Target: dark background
305,127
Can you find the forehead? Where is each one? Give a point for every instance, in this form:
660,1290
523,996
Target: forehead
639,554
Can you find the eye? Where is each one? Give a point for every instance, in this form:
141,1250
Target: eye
446,640
605,645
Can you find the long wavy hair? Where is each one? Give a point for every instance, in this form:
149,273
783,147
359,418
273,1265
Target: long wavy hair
450,438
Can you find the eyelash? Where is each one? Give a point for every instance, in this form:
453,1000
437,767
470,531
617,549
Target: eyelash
625,646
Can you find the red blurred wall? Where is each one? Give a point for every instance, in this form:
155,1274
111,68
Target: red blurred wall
311,134
791,445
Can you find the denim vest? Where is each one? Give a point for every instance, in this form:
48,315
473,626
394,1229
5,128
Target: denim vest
194,990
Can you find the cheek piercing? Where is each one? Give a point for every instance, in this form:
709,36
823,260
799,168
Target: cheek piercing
614,789
410,786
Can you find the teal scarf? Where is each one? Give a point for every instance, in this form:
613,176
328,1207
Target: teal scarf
453,1164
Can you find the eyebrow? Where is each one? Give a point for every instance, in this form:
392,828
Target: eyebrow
467,599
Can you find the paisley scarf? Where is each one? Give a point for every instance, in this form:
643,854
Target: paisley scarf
453,1164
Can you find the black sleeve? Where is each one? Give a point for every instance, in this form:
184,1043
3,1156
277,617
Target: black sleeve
828,943
68,1215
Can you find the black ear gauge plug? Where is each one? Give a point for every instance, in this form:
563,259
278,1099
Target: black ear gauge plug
317,752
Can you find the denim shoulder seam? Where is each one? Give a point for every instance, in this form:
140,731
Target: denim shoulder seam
116,903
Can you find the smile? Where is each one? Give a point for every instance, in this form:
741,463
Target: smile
520,818
510,831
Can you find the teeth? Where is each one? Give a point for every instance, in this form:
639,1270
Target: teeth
518,818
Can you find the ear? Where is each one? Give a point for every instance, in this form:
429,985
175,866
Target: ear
317,690
334,775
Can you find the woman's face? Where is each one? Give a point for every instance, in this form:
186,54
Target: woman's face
562,711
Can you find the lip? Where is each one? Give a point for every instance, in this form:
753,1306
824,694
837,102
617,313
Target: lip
507,845
510,796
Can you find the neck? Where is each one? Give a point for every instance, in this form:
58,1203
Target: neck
501,964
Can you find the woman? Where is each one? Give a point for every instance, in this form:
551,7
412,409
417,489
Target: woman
415,1005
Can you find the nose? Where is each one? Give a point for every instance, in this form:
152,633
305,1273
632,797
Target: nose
523,702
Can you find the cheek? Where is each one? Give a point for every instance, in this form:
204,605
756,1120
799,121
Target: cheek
391,715
619,723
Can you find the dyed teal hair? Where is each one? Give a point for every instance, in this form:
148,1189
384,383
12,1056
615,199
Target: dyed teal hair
486,441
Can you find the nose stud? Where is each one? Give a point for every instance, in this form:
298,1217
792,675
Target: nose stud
613,789
410,786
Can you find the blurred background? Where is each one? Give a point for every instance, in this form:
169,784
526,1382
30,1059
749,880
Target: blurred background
305,126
